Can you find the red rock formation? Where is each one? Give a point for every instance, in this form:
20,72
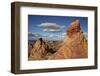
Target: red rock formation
74,44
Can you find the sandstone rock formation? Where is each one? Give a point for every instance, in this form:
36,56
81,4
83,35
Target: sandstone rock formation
74,44
41,50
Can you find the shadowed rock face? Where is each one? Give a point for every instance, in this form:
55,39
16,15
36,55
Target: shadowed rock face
74,44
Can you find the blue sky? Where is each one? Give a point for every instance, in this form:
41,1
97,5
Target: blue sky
52,27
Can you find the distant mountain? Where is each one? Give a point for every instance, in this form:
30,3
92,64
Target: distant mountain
33,36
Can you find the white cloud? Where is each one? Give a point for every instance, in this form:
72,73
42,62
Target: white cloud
51,27
51,35
51,30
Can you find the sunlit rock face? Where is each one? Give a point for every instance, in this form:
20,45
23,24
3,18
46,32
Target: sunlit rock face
74,44
39,50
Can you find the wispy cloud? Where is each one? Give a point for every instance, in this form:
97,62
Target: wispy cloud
51,27
50,31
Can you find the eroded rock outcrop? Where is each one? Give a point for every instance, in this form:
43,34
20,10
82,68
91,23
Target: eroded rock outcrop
41,50
74,44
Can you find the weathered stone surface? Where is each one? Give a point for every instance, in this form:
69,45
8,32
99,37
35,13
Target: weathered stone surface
74,44
39,50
